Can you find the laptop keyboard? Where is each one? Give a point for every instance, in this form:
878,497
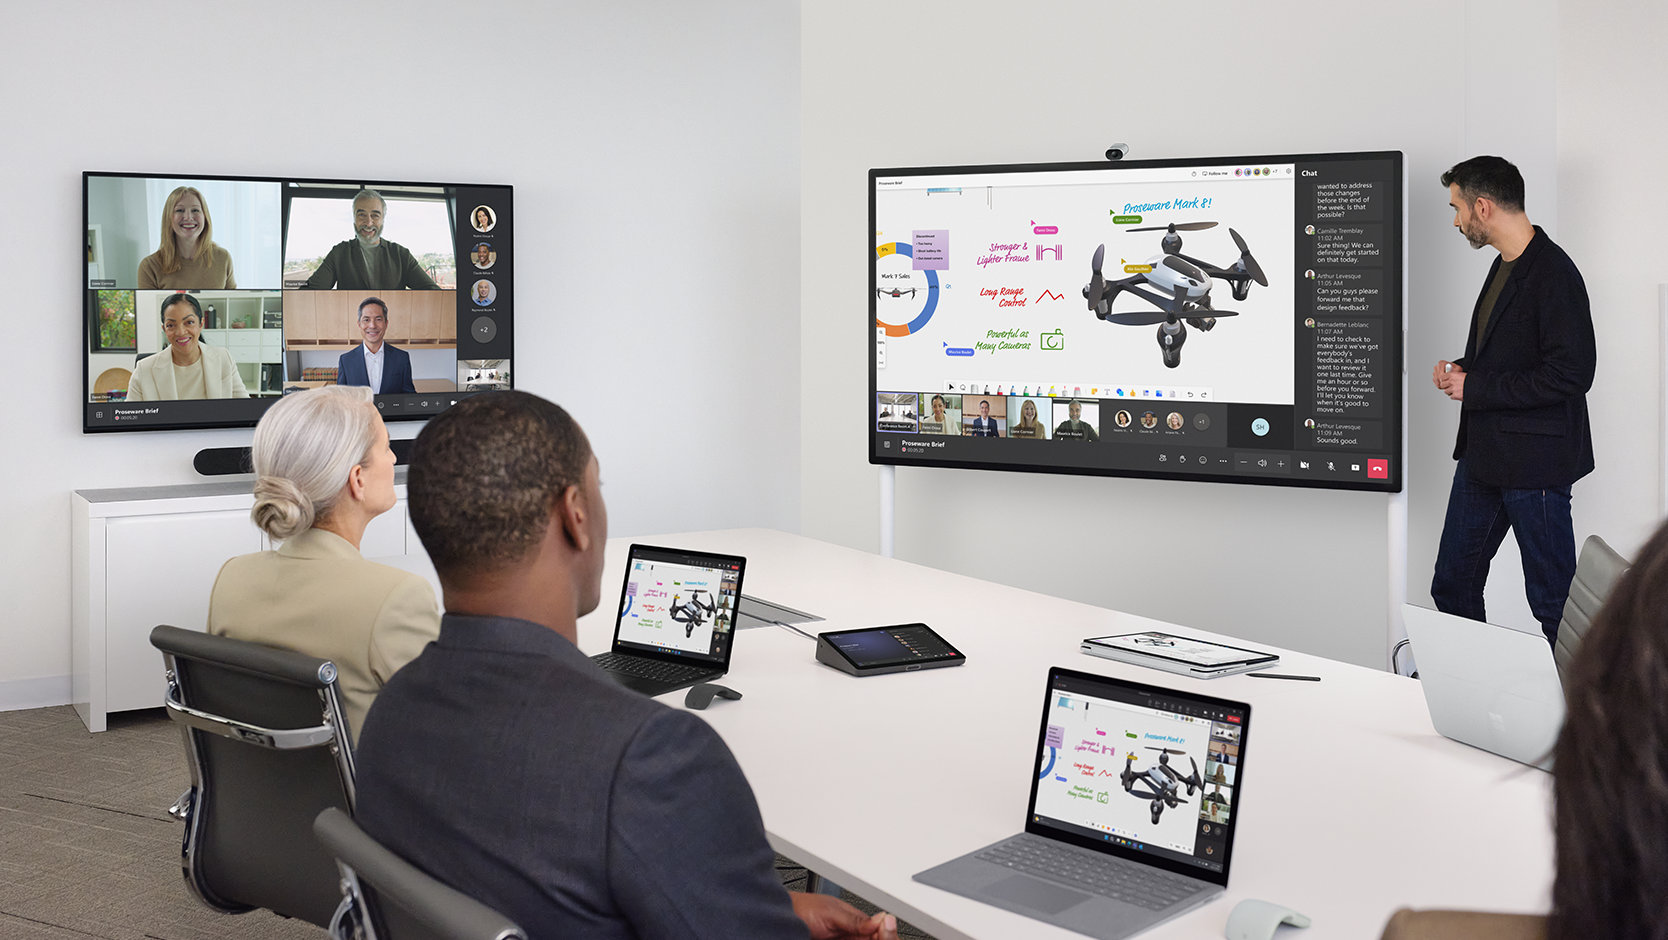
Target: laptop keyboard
654,669
1110,877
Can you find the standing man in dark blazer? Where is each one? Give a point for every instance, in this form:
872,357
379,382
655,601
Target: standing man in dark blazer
1522,387
507,764
383,366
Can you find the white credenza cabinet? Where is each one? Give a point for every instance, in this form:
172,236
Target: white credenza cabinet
149,555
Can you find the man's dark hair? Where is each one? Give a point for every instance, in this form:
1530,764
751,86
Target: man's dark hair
485,476
373,300
1610,788
1491,177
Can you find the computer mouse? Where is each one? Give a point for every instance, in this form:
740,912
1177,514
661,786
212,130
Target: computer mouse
700,696
1257,920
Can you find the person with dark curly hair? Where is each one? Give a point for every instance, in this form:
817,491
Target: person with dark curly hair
506,763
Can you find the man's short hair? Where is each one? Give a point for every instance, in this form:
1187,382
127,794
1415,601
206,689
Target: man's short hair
368,301
486,475
1493,178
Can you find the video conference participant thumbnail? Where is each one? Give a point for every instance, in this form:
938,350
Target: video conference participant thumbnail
1079,420
1028,425
148,233
185,368
381,365
895,412
990,415
941,414
187,257
367,261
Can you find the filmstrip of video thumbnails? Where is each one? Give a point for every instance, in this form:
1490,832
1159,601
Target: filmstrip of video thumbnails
1018,417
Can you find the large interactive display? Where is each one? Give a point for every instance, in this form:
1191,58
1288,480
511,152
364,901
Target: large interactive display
1229,319
206,298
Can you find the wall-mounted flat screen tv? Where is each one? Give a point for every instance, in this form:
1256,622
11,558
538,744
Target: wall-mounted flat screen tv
206,298
1224,319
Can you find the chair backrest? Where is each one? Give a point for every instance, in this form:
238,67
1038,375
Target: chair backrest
1596,573
1408,924
385,897
268,748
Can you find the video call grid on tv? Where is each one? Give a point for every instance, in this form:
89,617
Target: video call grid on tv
1282,365
286,284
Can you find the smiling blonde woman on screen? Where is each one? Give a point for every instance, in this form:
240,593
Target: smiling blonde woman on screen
186,257
324,470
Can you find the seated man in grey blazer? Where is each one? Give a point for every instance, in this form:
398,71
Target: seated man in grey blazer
507,764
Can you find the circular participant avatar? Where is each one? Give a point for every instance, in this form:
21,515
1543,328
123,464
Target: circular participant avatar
483,219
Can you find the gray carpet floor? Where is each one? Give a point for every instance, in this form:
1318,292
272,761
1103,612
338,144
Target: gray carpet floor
87,848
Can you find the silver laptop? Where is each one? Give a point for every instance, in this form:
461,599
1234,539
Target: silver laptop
1134,801
1488,686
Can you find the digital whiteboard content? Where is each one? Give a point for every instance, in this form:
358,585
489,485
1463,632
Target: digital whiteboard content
1226,319
206,298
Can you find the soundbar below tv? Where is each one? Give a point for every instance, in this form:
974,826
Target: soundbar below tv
1221,319
206,298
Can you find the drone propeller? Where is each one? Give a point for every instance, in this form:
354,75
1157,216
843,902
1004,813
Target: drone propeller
1252,268
1097,283
1167,750
1174,227
1139,317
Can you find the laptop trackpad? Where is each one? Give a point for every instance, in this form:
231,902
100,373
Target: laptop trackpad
1036,894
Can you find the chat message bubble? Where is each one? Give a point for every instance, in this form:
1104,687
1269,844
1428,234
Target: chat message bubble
1350,361
1347,245
1327,433
1352,292
1348,202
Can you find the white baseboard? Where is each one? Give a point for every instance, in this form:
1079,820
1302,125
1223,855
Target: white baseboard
44,692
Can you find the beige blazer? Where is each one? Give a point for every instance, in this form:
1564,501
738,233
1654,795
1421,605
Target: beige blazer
153,377
317,595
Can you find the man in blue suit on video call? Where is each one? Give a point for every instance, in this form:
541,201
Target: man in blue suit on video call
382,366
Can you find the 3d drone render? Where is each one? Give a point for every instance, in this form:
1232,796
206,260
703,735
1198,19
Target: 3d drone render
1160,780
1183,288
694,613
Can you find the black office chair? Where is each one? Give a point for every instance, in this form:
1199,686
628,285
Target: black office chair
385,897
268,748
1596,573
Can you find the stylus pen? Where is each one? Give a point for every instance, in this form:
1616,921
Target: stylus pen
1278,675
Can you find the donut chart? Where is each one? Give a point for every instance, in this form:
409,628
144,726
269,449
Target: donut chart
920,321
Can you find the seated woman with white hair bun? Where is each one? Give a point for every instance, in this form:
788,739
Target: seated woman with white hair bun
323,471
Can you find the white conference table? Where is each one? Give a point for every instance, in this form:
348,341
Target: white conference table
1353,805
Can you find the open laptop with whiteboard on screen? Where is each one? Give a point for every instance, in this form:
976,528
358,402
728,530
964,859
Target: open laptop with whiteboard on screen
1488,686
1134,802
677,619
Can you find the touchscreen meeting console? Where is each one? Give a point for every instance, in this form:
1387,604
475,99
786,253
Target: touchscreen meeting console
1231,319
208,297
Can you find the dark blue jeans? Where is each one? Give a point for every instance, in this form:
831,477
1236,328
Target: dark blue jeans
1478,517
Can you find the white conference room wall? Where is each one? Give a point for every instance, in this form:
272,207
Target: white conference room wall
977,84
654,151
1611,207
